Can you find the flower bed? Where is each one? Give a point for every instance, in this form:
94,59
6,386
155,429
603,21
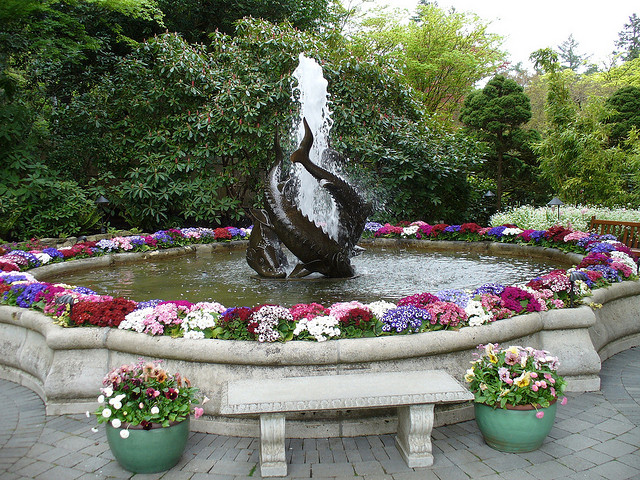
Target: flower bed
606,261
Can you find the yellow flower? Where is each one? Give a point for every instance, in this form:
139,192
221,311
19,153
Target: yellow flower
470,375
492,357
488,349
523,380
513,350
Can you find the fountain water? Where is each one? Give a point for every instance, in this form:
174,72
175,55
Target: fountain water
312,95
315,213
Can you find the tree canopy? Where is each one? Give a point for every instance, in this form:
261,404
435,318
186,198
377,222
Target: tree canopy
441,54
629,39
496,113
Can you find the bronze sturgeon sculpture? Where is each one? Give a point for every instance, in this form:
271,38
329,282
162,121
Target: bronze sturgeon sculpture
282,221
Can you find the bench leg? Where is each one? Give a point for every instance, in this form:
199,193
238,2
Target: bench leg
273,462
413,441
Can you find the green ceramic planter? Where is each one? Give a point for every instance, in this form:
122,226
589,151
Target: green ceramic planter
514,430
149,451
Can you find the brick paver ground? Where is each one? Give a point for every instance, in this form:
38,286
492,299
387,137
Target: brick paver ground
595,436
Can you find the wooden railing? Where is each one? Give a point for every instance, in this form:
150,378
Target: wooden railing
627,232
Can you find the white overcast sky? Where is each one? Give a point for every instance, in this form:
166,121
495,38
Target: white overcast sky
530,25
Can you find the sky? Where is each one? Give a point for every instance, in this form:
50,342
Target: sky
528,26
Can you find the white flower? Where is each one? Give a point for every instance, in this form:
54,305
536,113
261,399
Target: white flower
124,433
476,314
88,414
117,405
116,399
108,391
380,307
135,320
116,423
141,405
43,257
101,399
94,429
154,410
512,231
106,413
409,231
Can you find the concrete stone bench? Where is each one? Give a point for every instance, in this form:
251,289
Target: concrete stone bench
414,393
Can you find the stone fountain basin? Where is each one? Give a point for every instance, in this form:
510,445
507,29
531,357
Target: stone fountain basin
65,366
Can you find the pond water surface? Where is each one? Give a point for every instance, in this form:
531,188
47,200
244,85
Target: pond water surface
383,274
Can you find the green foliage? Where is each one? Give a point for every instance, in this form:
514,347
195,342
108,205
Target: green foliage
179,133
575,154
629,39
626,103
412,168
571,59
441,54
185,131
196,20
496,113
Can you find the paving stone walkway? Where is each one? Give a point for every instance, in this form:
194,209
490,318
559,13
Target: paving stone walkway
595,436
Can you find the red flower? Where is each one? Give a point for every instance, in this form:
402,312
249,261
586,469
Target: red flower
222,234
102,314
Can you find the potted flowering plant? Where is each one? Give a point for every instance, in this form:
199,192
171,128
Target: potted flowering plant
147,414
516,389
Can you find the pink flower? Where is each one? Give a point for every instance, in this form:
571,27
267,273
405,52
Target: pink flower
540,414
197,412
564,401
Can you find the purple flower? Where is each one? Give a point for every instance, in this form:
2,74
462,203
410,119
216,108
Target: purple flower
84,291
31,259
602,247
607,236
26,294
610,274
162,236
372,227
458,297
490,288
53,252
15,278
452,228
583,242
149,303
404,318
136,240
537,235
497,231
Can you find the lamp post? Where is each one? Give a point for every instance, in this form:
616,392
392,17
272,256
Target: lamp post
101,202
489,195
556,202
66,299
573,276
487,203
